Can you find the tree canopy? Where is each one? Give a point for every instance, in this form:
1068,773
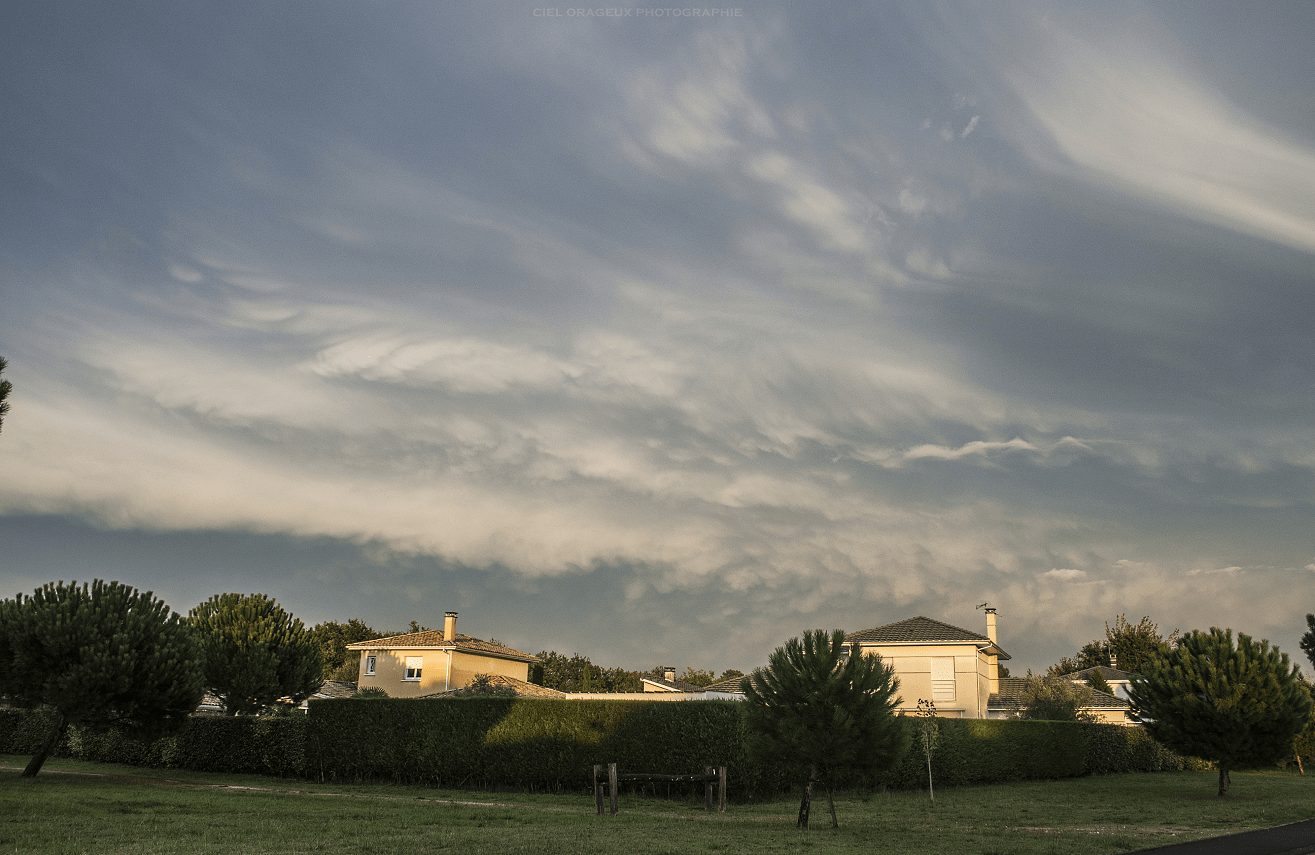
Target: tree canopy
826,714
1308,640
1235,704
1055,699
254,652
332,639
1130,644
100,655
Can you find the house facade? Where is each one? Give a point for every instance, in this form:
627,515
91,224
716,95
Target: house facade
955,668
430,662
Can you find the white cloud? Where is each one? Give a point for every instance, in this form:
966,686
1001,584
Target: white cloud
1065,574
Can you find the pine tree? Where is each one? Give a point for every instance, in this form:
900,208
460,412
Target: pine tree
5,388
337,661
254,652
101,656
824,715
1235,705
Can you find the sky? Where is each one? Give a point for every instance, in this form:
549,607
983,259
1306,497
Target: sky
662,336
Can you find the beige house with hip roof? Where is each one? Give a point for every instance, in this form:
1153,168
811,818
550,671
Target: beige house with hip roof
955,668
430,662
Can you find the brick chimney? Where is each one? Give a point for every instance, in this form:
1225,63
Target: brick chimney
668,673
450,626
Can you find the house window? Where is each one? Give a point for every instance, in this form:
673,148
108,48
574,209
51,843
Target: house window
369,666
413,665
942,679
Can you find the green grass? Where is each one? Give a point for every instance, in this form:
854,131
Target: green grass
75,807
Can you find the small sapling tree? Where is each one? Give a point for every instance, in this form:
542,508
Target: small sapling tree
100,655
929,735
824,714
1233,704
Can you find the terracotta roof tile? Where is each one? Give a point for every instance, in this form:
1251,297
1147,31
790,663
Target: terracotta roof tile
434,638
520,687
1012,689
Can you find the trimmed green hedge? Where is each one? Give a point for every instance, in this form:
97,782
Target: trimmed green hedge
553,745
261,746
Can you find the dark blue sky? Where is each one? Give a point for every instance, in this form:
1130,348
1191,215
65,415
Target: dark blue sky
663,338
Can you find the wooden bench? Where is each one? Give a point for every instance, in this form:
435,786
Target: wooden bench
608,774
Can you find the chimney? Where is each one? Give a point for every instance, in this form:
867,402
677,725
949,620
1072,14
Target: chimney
668,673
450,626
1114,659
993,669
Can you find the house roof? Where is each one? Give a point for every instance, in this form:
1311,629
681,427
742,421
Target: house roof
432,639
730,684
671,685
520,687
1012,689
922,630
1105,671
334,689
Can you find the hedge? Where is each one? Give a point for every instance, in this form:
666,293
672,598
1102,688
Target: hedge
246,745
533,744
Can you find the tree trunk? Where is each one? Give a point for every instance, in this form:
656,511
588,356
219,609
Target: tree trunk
807,803
1223,779
831,803
57,728
930,789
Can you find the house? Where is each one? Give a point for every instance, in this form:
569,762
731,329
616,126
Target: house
1119,681
957,669
431,662
521,688
668,683
1106,708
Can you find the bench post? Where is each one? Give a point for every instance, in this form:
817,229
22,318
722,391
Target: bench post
721,789
707,788
611,784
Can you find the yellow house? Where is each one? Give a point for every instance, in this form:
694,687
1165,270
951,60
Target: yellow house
955,668
429,662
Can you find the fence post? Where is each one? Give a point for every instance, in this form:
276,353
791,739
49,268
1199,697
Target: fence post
611,784
707,788
721,789
598,790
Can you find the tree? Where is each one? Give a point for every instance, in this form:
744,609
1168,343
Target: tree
695,677
1308,640
1054,699
5,388
1131,645
254,652
332,638
1099,683
825,714
1236,705
484,687
101,656
729,673
929,735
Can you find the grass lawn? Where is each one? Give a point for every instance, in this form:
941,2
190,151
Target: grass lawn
74,807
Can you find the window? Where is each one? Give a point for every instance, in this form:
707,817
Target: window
369,666
942,679
413,666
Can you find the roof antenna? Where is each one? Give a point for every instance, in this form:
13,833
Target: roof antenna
982,606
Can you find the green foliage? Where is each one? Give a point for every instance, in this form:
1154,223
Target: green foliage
254,652
100,656
332,638
828,716
575,673
370,692
1238,705
524,742
695,677
1303,747
1054,699
484,687
1308,640
1099,683
5,388
1131,645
